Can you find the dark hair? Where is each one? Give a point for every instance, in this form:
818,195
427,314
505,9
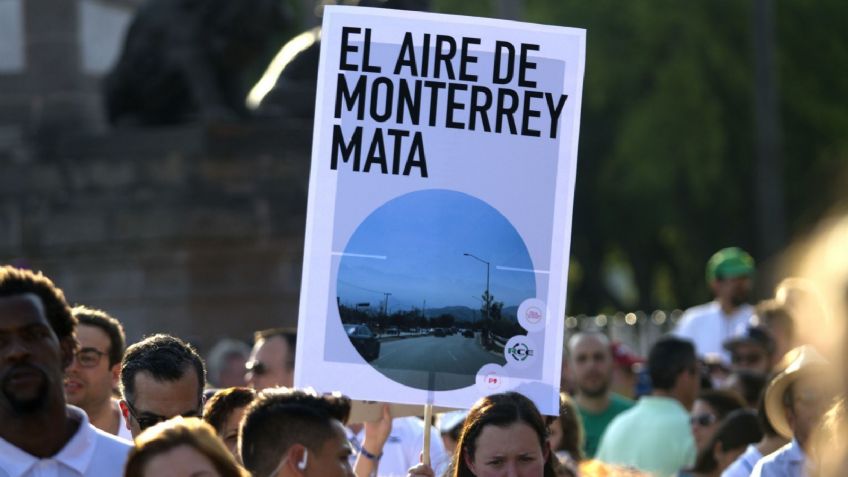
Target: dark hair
498,410
14,281
222,404
177,432
752,384
669,357
166,358
737,430
723,401
279,418
572,428
109,325
288,334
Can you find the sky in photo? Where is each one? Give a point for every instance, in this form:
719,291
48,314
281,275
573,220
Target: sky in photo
413,247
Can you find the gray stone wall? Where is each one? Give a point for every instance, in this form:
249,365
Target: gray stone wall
195,231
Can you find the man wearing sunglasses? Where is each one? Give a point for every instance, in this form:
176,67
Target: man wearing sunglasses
730,274
39,433
95,370
752,350
271,361
161,377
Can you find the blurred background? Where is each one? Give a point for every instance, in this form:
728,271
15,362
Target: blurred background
134,173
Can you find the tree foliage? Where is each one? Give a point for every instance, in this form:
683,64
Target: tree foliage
666,170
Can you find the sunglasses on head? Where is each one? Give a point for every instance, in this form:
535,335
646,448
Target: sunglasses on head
702,420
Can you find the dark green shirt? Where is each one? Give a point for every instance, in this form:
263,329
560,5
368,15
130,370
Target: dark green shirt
595,424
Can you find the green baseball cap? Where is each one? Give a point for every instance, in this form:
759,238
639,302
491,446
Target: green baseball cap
730,262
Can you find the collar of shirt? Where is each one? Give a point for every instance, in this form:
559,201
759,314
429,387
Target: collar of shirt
794,453
76,454
666,404
743,311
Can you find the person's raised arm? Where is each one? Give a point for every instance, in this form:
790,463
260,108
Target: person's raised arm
376,435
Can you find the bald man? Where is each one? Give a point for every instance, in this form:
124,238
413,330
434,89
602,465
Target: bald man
591,365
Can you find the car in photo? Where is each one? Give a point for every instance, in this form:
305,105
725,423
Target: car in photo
468,333
364,340
439,332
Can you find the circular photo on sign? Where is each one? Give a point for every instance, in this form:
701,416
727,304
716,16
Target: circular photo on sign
429,287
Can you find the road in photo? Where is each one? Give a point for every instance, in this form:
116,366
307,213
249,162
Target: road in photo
429,284
409,360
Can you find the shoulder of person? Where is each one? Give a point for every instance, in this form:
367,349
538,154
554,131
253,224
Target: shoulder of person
111,442
619,424
709,308
694,316
620,402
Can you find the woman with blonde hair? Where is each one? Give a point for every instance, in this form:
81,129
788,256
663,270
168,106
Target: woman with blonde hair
181,447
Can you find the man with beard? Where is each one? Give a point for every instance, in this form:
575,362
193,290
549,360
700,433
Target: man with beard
591,365
708,326
92,376
40,434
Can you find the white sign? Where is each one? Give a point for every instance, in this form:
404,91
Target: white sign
440,199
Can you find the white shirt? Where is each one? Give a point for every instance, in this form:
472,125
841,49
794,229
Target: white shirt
788,461
708,327
89,452
403,447
744,464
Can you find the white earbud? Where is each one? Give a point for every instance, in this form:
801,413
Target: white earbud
302,464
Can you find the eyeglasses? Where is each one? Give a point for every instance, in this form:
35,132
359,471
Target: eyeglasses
150,419
89,357
702,420
258,368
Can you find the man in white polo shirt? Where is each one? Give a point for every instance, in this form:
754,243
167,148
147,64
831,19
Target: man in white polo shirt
40,434
92,376
708,326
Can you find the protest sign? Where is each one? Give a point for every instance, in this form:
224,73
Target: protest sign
439,215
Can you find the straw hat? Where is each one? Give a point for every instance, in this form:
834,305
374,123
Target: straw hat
806,359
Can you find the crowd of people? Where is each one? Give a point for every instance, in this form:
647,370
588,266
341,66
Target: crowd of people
734,391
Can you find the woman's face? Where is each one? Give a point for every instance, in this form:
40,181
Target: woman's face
229,434
704,421
511,451
181,461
